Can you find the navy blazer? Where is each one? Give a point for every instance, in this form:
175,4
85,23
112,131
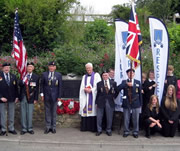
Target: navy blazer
102,95
9,92
136,94
52,90
33,88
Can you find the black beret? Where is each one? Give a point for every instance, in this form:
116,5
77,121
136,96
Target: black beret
30,63
52,63
128,70
6,64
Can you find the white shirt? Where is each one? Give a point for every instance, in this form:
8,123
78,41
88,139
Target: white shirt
6,76
108,83
132,81
150,80
30,75
49,76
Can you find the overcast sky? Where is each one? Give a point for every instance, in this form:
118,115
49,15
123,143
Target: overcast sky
101,6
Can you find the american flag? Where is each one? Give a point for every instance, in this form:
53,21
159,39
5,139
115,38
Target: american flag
19,50
134,39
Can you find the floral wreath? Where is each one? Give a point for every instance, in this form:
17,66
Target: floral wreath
67,107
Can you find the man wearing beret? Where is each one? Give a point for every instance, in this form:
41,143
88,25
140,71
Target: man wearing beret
9,96
28,97
106,93
51,86
132,102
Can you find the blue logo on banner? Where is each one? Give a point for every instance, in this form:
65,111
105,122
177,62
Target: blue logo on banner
124,38
158,38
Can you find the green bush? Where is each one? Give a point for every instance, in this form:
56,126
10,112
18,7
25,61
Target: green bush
174,54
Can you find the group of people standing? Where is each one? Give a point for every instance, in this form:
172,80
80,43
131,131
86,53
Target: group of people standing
13,90
139,103
96,96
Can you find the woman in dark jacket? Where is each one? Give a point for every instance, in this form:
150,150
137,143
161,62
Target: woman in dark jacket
151,117
169,112
148,87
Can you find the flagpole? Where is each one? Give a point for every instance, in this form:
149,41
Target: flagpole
27,91
7,120
130,88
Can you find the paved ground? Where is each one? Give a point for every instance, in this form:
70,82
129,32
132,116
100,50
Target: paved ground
71,139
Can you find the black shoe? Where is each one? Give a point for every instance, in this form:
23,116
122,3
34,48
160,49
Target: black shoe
2,133
109,133
31,132
23,132
135,135
98,133
46,131
13,132
53,131
125,135
147,136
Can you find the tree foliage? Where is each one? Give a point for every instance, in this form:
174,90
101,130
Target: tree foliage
98,33
41,21
174,55
163,9
122,12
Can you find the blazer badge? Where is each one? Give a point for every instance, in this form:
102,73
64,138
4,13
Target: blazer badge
14,82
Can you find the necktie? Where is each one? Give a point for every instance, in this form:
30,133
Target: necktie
28,77
106,86
7,79
50,75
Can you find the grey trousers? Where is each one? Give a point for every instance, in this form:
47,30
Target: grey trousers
135,120
26,115
3,114
109,117
50,114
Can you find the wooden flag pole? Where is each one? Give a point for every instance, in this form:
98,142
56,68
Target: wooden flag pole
7,120
27,91
130,88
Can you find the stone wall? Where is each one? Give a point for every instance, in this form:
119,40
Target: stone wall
64,120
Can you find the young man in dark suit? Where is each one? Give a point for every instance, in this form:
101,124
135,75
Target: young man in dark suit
28,97
132,102
9,96
106,93
51,87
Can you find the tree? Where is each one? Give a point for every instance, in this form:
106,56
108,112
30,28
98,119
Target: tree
41,21
98,33
6,28
162,9
122,12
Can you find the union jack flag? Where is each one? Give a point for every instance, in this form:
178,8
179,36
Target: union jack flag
134,39
19,50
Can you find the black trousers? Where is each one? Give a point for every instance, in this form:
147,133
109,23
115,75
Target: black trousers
169,130
150,130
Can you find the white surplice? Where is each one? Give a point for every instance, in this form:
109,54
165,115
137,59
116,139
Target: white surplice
84,97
